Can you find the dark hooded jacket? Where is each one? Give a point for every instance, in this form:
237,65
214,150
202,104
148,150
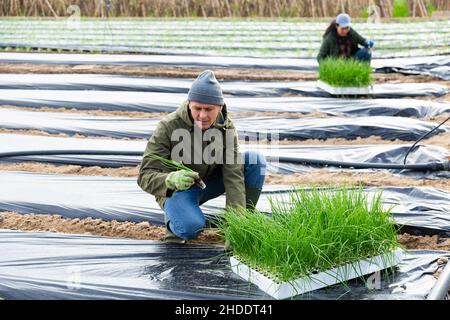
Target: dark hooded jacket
330,45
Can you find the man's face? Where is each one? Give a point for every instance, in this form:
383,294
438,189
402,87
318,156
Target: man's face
342,32
204,114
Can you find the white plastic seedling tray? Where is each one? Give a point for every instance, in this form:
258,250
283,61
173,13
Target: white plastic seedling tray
344,90
320,280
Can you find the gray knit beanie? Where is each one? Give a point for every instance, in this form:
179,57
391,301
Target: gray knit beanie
206,89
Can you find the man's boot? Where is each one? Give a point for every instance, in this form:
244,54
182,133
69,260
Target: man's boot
252,197
170,236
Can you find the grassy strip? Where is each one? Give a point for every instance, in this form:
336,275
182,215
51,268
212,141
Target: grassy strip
345,72
314,231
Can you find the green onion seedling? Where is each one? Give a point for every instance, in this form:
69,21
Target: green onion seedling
345,72
171,164
310,231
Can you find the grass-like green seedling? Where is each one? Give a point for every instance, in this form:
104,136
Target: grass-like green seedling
174,165
345,72
310,231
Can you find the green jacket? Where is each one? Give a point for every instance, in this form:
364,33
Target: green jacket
330,47
152,173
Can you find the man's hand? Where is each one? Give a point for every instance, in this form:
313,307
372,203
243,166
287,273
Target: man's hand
370,43
181,179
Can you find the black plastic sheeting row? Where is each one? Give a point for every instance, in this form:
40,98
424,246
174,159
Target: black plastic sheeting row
437,66
388,128
168,102
121,199
172,85
47,266
387,154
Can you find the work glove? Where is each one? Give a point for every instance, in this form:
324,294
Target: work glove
181,179
370,43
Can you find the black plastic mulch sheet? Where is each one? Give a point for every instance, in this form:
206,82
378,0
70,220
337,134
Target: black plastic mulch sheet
193,61
168,102
272,128
110,198
389,154
437,66
60,266
172,85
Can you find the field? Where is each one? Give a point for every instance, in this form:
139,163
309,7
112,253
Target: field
259,38
80,87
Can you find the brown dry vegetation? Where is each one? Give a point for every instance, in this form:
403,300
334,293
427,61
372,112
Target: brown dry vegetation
205,9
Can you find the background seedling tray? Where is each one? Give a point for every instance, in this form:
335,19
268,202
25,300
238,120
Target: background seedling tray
344,90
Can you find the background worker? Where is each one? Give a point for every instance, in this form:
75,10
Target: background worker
340,40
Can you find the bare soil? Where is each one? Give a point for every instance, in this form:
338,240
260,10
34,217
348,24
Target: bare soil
424,242
98,112
70,169
319,177
147,231
181,72
323,177
61,135
442,140
158,115
98,227
155,71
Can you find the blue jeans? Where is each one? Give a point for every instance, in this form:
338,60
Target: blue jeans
183,214
363,54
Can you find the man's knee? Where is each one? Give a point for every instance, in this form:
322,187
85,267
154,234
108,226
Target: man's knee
189,229
183,215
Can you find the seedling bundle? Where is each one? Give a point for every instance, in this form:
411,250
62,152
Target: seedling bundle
313,239
171,164
345,76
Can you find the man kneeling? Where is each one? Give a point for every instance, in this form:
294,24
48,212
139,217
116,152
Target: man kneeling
201,136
